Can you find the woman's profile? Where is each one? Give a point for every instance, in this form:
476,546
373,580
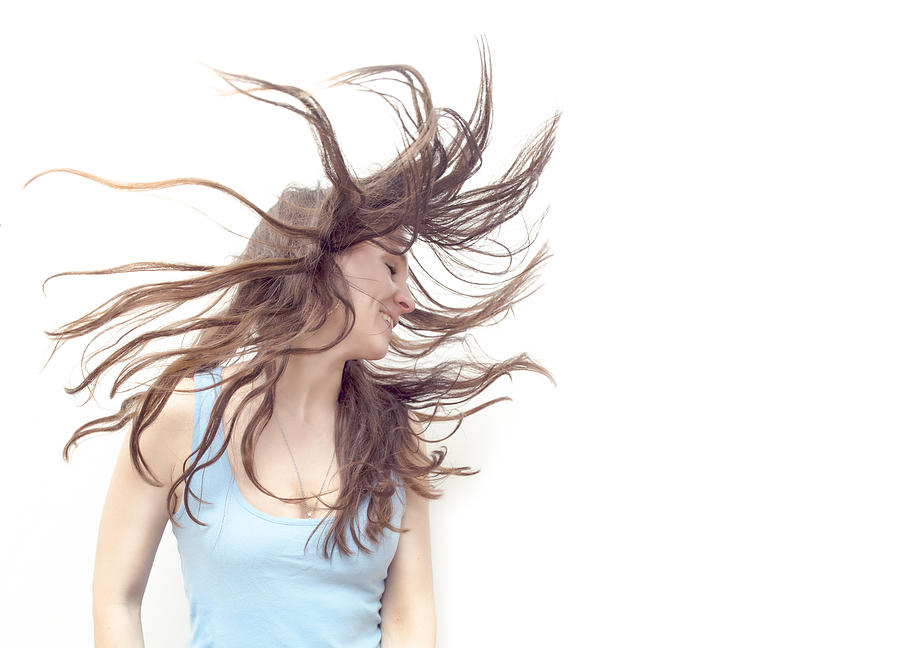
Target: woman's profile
279,423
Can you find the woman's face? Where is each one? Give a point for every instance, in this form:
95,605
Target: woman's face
379,294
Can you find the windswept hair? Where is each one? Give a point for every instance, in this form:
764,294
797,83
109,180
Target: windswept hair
287,280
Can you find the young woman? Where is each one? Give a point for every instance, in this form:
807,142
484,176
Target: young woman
281,425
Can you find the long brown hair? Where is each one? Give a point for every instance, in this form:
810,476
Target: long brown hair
287,280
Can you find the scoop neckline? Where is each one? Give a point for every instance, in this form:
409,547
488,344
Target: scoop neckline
277,519
216,374
239,495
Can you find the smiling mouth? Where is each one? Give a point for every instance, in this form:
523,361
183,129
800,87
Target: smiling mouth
387,319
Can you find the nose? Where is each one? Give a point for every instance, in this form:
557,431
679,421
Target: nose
405,300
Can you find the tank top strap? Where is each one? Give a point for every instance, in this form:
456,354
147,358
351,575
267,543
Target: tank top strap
214,479
204,399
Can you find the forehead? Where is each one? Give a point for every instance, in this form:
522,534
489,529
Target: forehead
394,243
373,249
397,241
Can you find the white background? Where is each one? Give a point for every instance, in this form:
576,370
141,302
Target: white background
718,464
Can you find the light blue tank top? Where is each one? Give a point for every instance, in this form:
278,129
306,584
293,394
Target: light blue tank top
247,578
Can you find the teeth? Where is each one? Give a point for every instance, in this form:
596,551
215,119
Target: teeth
387,319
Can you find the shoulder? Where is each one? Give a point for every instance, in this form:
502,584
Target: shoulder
414,423
168,440
420,458
415,426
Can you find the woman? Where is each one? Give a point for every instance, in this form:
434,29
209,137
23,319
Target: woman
281,428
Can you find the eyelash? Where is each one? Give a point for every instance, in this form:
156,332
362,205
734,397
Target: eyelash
391,268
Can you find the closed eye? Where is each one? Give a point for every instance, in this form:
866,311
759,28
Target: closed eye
391,268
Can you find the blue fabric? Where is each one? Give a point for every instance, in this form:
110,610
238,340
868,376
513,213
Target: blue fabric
247,578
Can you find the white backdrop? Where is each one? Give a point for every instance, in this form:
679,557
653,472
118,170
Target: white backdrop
717,466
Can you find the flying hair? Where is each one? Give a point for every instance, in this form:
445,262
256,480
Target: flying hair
287,280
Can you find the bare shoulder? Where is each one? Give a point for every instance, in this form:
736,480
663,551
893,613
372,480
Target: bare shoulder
413,499
414,423
167,442
416,427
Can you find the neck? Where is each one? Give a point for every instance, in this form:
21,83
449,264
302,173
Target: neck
307,391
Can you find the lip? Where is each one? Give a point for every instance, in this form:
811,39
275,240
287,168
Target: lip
393,319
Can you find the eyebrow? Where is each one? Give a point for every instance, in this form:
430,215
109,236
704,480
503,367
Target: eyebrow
392,252
392,240
402,257
395,239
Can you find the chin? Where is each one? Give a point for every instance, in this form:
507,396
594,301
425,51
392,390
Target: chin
373,352
380,354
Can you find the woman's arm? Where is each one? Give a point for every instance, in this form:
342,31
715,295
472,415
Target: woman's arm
407,605
133,520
